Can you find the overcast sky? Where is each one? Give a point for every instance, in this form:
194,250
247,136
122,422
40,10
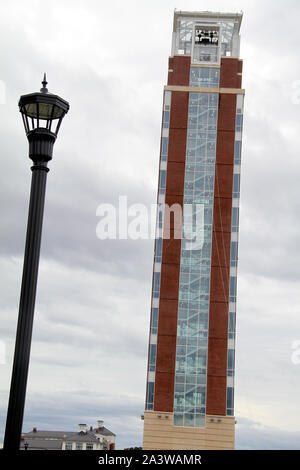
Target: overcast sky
90,339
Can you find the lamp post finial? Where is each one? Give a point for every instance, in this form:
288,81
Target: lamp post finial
44,83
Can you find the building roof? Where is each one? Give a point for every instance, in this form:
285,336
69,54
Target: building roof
103,431
237,17
62,436
41,444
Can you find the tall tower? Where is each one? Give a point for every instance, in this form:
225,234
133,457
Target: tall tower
190,379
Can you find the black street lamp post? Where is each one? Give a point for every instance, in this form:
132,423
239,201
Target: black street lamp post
41,112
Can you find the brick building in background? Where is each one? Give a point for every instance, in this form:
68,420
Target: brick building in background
190,379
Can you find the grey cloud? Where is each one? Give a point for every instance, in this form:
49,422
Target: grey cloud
252,435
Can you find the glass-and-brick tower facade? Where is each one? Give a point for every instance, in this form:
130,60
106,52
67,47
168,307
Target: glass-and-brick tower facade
190,379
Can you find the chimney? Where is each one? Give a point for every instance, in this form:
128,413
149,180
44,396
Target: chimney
34,430
82,428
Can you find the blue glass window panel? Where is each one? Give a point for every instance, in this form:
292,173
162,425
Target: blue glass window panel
178,419
191,144
231,322
204,73
160,215
156,281
200,420
182,313
239,119
162,179
181,339
230,359
163,158
233,286
203,99
152,354
193,97
192,122
181,350
166,117
201,379
179,389
193,110
194,74
239,122
215,77
230,397
212,115
158,246
191,379
204,77
213,100
236,185
188,420
233,252
237,151
150,393
164,146
235,217
180,378
211,149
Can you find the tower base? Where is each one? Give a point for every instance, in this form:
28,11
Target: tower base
161,434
